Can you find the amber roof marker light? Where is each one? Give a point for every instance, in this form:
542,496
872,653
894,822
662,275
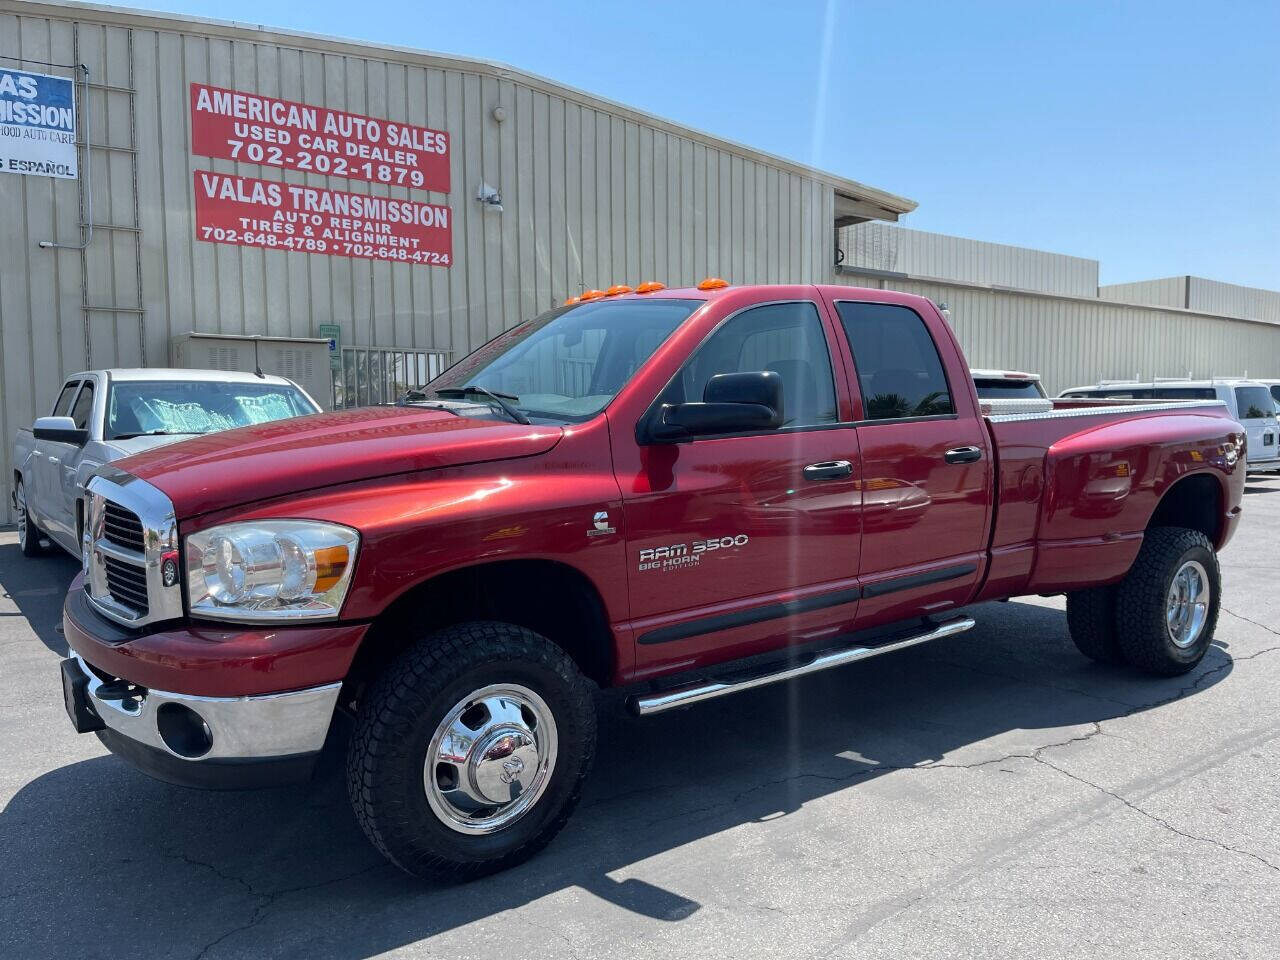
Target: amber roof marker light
713,283
617,289
592,295
650,286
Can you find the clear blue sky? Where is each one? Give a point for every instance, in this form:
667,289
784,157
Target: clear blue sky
1144,135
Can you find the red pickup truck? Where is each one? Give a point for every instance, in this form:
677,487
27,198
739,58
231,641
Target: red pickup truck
686,493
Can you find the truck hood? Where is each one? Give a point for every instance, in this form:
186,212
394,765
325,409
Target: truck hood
136,445
226,469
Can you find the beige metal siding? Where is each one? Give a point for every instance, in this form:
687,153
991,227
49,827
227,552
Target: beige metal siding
1213,296
592,196
880,246
1071,341
1164,292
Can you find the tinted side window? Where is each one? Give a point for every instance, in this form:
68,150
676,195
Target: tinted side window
786,338
1184,393
1275,393
84,406
1254,402
62,405
899,370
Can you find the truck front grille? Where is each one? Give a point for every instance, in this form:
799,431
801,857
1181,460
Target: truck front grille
122,527
130,533
127,584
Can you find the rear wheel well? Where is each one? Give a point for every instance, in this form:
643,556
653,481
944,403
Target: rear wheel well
550,598
1193,502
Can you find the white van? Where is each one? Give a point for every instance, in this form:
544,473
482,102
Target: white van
1252,402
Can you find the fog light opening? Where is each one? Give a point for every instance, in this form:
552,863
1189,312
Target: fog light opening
183,730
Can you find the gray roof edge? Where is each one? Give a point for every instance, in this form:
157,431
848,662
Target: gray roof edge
261,33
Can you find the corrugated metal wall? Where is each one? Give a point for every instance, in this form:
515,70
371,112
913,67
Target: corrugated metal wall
1164,292
1072,341
1200,295
1214,296
880,246
591,197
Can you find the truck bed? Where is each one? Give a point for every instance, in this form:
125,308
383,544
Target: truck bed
1075,485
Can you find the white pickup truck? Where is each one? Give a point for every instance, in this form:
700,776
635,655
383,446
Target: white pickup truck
105,415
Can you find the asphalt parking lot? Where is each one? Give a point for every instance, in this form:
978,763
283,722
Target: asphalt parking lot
992,794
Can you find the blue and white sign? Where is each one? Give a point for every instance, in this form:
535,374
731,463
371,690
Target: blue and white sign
37,124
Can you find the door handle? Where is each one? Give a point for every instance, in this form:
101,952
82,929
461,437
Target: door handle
828,470
963,454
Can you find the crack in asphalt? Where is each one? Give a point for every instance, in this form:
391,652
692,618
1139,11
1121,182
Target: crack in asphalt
564,938
1035,755
268,899
1271,630
1156,819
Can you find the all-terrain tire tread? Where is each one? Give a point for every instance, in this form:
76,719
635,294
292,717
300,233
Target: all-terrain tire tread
1091,621
1141,630
402,693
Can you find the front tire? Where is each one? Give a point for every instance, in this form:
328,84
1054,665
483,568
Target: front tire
28,533
470,751
1167,605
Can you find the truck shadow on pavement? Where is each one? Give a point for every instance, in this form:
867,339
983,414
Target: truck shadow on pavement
36,586
95,853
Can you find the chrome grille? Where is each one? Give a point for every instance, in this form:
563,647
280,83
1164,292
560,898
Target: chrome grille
129,531
127,583
122,527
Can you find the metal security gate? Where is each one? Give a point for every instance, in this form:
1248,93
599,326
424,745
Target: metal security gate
374,375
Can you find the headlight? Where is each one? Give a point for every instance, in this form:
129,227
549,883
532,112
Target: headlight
270,570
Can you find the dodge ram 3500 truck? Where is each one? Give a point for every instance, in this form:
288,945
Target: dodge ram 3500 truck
686,493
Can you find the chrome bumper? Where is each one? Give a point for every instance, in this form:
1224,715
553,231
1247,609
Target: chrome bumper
237,728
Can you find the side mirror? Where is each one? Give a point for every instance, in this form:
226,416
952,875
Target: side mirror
731,403
59,430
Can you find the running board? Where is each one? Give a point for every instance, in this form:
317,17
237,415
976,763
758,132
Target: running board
650,704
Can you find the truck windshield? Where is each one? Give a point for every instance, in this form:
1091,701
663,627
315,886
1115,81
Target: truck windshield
140,407
567,364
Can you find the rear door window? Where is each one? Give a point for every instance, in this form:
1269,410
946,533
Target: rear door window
1253,403
899,371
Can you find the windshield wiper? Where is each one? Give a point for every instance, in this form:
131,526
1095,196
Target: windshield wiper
157,433
472,389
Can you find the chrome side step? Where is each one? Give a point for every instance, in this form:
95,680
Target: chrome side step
649,704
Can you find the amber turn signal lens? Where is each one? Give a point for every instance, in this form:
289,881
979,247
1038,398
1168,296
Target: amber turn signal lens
712,283
616,289
330,564
650,286
592,295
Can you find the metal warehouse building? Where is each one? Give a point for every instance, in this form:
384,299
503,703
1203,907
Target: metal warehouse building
266,189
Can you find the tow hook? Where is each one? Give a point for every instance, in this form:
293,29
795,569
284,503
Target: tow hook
119,690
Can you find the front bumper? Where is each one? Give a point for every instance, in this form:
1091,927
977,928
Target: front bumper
220,742
255,704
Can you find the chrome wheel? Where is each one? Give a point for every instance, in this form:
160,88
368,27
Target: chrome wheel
1187,605
490,759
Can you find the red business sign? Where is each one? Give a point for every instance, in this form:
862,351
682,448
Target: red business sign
232,125
288,216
